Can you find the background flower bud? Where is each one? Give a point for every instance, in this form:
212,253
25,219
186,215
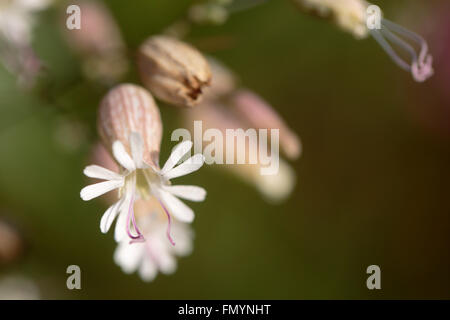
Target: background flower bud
127,108
275,188
99,42
174,71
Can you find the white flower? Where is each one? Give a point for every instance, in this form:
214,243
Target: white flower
156,253
138,180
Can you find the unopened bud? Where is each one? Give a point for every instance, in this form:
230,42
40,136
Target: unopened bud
174,71
129,108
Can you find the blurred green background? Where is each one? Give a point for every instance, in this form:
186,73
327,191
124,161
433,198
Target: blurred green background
372,183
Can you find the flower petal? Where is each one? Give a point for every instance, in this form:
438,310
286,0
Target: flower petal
190,165
121,224
122,156
137,148
98,172
192,193
128,256
166,262
148,270
178,152
109,216
176,207
95,190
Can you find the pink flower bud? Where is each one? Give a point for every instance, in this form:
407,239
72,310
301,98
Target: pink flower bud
129,108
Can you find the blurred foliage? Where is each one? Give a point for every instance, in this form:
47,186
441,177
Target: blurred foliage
373,184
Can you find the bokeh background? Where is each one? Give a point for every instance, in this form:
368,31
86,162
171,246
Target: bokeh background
372,183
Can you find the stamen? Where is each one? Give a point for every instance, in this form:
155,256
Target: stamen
421,64
139,237
169,222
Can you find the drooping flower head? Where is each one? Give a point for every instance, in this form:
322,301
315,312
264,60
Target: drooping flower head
352,16
228,107
130,127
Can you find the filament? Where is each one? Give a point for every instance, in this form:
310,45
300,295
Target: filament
135,238
420,64
169,222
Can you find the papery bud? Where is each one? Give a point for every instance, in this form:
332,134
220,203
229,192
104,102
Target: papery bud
174,71
259,114
129,108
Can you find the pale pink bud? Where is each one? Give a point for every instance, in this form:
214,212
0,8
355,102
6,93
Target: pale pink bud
259,114
99,33
129,108
173,71
99,42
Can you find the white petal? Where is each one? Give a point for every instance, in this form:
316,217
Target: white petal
122,156
121,224
177,208
95,190
98,172
183,234
109,216
178,152
192,193
137,148
148,269
166,263
190,165
128,256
